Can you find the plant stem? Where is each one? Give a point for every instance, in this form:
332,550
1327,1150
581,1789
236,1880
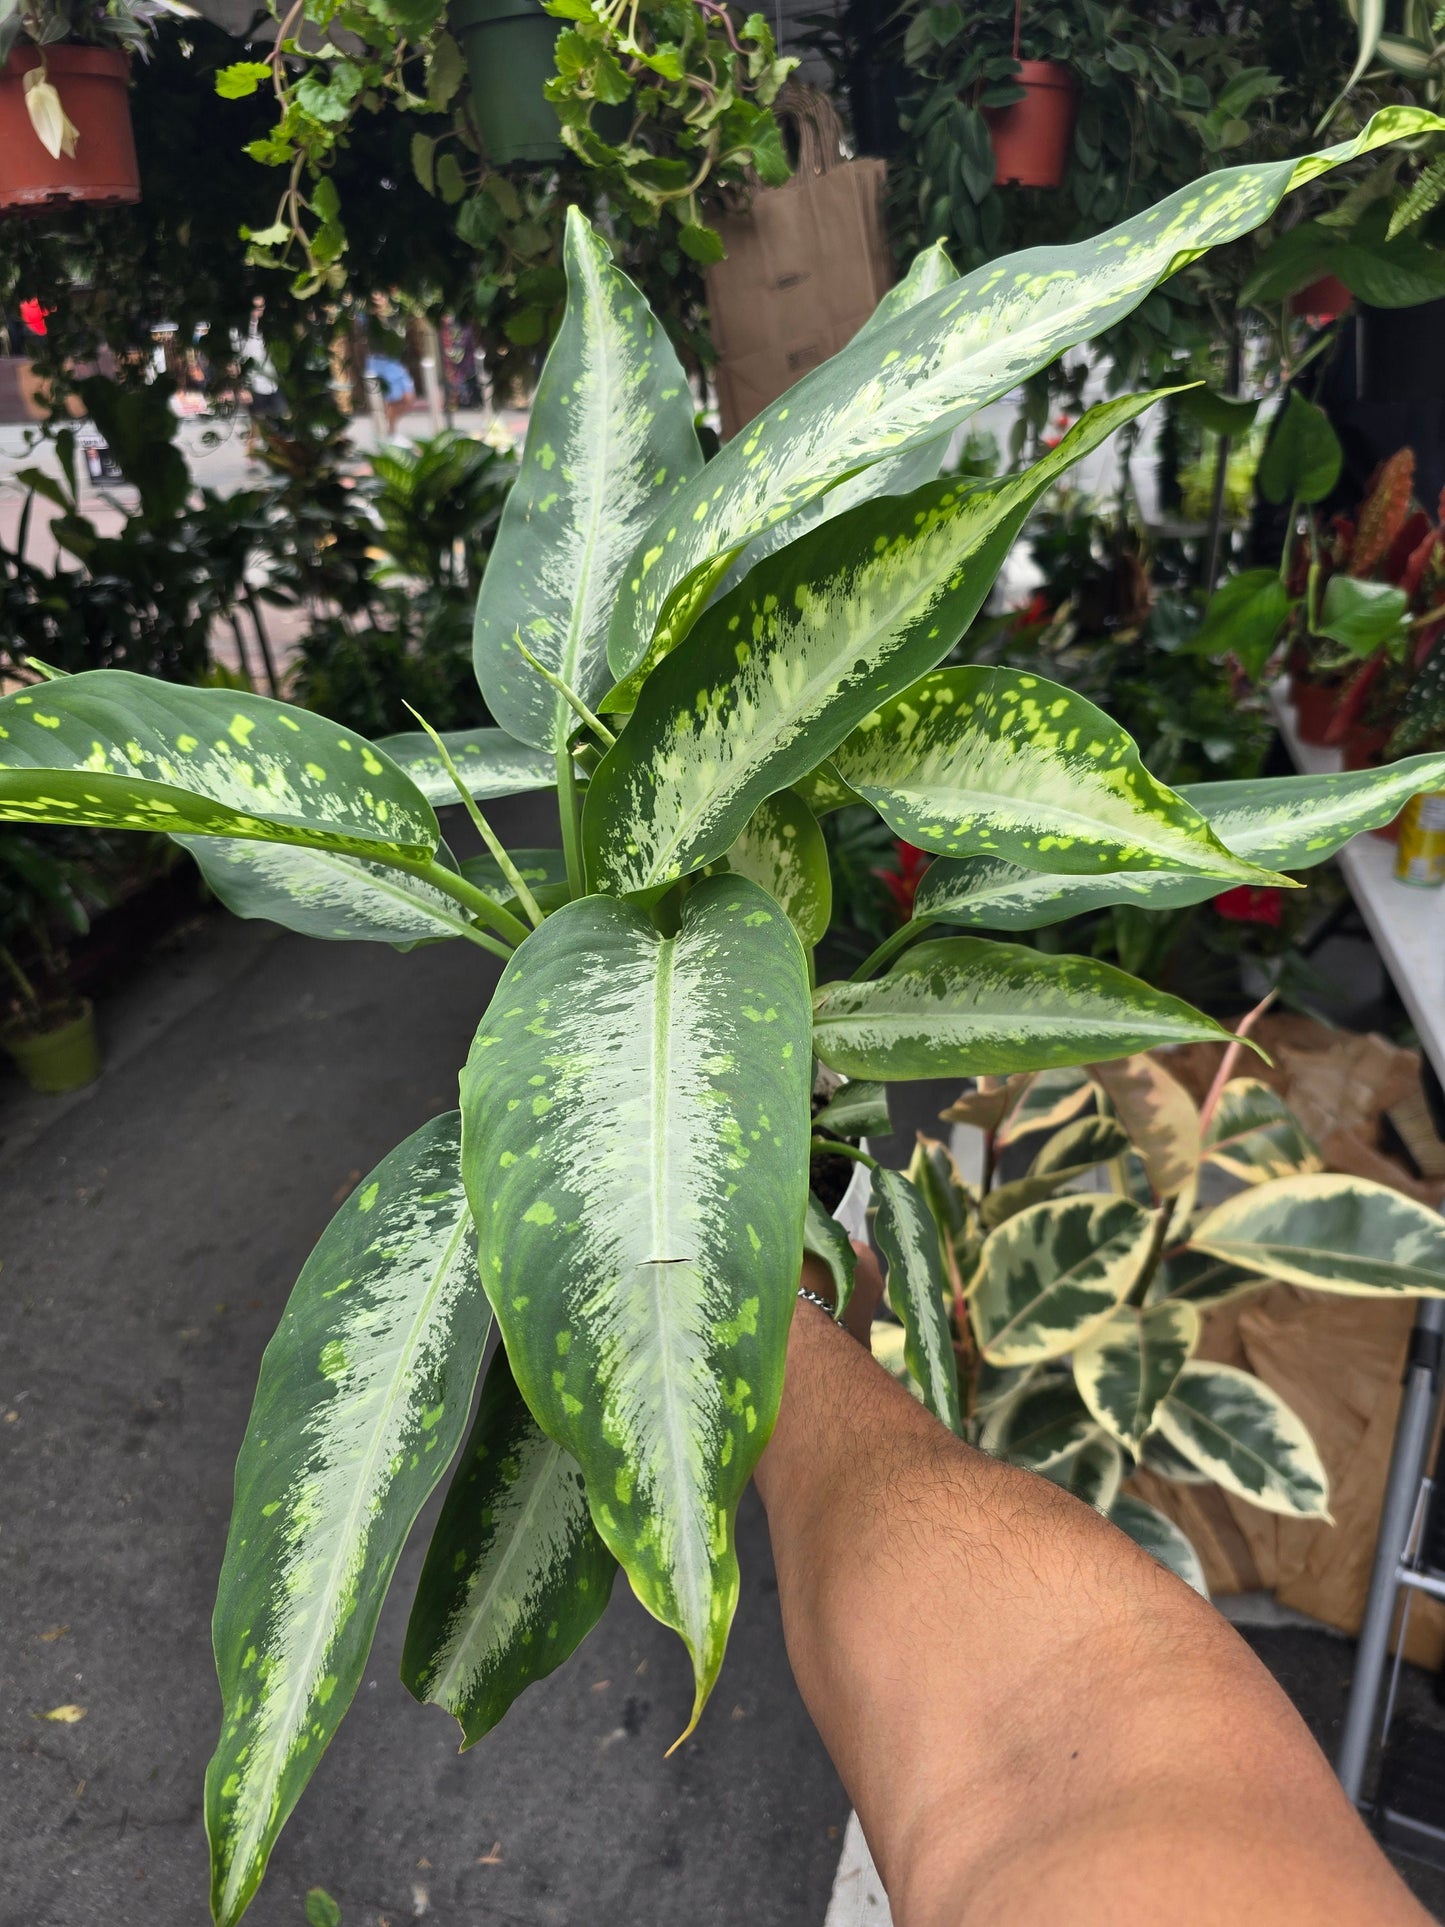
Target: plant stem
471,898
890,947
28,995
570,804
836,1146
485,831
574,702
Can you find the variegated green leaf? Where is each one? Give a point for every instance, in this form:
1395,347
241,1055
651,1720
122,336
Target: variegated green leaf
778,672
489,761
918,1292
1330,1233
1277,822
363,1399
954,1210
1196,1278
825,1238
1160,1117
1044,1101
931,366
782,849
1125,1367
1046,1422
609,441
515,1575
118,751
1247,1439
1254,1135
961,1006
543,871
1079,1147
823,790
1159,1537
996,762
1160,1456
1052,1274
326,893
1093,1473
636,1146
857,1110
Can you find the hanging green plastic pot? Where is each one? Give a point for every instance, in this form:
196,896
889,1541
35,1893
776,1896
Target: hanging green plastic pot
509,49
60,1056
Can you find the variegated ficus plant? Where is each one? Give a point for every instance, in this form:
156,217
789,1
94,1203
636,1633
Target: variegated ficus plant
700,659
1107,1214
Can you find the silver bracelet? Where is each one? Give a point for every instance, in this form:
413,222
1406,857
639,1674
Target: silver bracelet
814,1299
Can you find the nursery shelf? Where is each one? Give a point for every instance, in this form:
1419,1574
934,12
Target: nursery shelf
1407,923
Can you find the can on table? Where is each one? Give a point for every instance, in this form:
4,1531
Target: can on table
1421,856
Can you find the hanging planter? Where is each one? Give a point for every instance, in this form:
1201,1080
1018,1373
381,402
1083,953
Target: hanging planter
509,50
65,129
1032,139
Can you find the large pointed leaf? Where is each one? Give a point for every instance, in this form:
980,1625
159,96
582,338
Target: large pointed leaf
1331,1233
1246,1438
636,1145
362,1401
825,1238
918,1292
1124,1368
1053,1273
610,439
856,1110
1195,1278
782,849
1278,822
778,671
1160,1117
930,367
489,761
515,1575
126,752
1161,1538
991,761
962,1007
1254,1135
326,893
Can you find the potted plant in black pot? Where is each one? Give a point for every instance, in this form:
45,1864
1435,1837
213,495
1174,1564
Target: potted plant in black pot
45,1027
65,128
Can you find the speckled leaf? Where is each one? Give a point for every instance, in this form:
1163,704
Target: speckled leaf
489,761
825,1238
543,871
1278,822
918,1292
1248,1440
1078,1147
823,790
326,893
1160,1116
1160,1538
636,1146
857,1110
1197,1279
1124,1368
362,1401
932,366
954,1209
782,849
1052,1274
1254,1135
1330,1233
960,1007
989,761
778,671
119,751
610,439
1046,1421
1093,1473
515,1575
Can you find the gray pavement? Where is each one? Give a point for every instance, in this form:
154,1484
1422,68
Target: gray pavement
150,1230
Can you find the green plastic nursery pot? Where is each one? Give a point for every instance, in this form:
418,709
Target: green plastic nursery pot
509,45
61,1057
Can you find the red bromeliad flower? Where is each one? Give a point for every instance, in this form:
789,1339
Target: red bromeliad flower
1245,904
902,883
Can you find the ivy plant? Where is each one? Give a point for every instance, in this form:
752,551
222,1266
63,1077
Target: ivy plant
699,660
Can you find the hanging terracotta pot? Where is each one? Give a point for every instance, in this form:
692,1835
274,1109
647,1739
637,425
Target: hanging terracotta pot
1031,139
93,84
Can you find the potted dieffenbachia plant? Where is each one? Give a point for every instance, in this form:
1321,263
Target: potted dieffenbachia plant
626,1184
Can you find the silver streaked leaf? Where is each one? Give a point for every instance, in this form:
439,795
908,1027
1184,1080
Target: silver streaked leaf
326,893
489,761
1161,1538
1052,1274
1128,1364
1040,1425
918,1292
1329,1233
1247,1439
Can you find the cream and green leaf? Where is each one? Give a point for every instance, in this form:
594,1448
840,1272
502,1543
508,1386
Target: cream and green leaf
1329,1233
489,762
1246,1438
1053,1273
1253,1135
825,1238
782,849
1128,1364
918,1292
1077,1148
515,1575
1161,1538
610,438
363,1399
635,1146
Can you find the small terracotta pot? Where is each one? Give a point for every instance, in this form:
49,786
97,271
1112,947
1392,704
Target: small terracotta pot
1031,139
1314,705
93,84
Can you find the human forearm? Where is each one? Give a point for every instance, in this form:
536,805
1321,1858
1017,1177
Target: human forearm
1034,1721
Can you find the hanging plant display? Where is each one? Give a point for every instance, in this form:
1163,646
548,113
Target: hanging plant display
65,127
